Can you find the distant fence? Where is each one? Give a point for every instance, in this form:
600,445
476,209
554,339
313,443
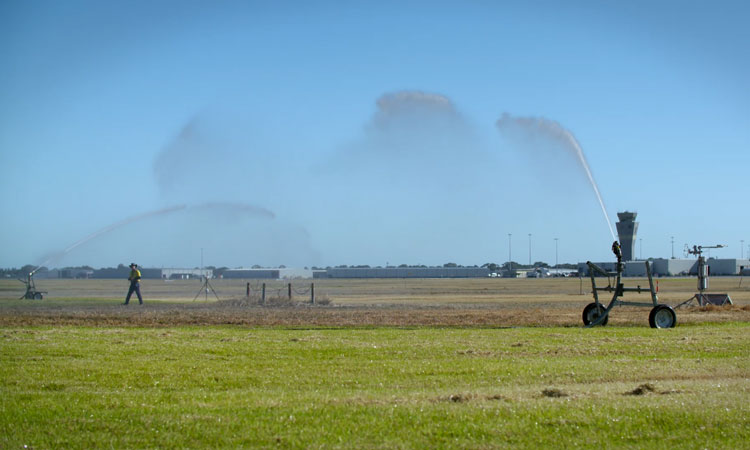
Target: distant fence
261,290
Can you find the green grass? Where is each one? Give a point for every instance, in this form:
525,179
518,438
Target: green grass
76,387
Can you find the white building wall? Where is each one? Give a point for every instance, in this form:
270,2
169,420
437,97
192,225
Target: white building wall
726,266
193,273
673,267
291,274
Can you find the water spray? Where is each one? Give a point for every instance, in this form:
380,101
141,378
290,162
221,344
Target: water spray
107,229
582,159
549,129
241,208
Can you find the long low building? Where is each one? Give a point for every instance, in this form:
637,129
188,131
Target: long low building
404,272
662,267
271,274
282,273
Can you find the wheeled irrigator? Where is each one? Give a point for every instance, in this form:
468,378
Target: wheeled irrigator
661,316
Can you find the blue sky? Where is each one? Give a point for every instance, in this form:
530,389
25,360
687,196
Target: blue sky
367,130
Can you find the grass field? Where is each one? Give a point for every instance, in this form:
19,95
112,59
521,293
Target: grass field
406,364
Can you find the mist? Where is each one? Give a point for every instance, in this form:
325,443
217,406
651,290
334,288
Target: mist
213,198
401,189
394,192
544,141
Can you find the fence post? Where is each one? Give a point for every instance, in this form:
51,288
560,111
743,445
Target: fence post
289,289
247,290
263,295
312,293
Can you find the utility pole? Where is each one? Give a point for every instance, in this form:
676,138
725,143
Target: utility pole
510,254
555,253
529,249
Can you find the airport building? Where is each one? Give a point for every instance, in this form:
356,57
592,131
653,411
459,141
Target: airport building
404,272
661,267
268,274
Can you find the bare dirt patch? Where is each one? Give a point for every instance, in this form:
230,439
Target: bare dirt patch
648,388
643,389
553,393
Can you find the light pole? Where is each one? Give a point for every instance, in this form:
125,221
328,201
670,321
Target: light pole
555,253
672,247
641,257
742,249
510,252
529,249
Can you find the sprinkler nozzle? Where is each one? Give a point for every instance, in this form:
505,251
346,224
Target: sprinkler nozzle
617,250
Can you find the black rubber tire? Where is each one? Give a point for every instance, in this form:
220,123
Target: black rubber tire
662,316
590,314
38,296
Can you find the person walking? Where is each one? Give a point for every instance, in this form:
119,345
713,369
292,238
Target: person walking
135,284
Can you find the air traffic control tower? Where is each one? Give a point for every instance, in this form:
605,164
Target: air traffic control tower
627,228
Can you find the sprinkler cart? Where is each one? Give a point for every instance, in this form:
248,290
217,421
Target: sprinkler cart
31,292
661,316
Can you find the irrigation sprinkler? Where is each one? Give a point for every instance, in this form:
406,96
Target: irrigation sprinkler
661,316
205,287
701,297
31,291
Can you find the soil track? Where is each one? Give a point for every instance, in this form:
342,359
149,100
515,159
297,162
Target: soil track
219,313
352,303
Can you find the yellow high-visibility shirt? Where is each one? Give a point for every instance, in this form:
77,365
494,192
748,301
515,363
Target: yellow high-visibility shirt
135,275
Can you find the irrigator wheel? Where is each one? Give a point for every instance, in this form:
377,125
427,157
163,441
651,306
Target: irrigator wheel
38,296
662,316
593,311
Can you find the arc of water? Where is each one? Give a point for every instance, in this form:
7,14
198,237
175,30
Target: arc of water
109,228
550,129
587,169
240,207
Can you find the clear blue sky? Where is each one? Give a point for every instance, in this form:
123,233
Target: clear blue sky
110,110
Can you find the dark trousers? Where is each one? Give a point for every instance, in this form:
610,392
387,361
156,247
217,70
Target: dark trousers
134,287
